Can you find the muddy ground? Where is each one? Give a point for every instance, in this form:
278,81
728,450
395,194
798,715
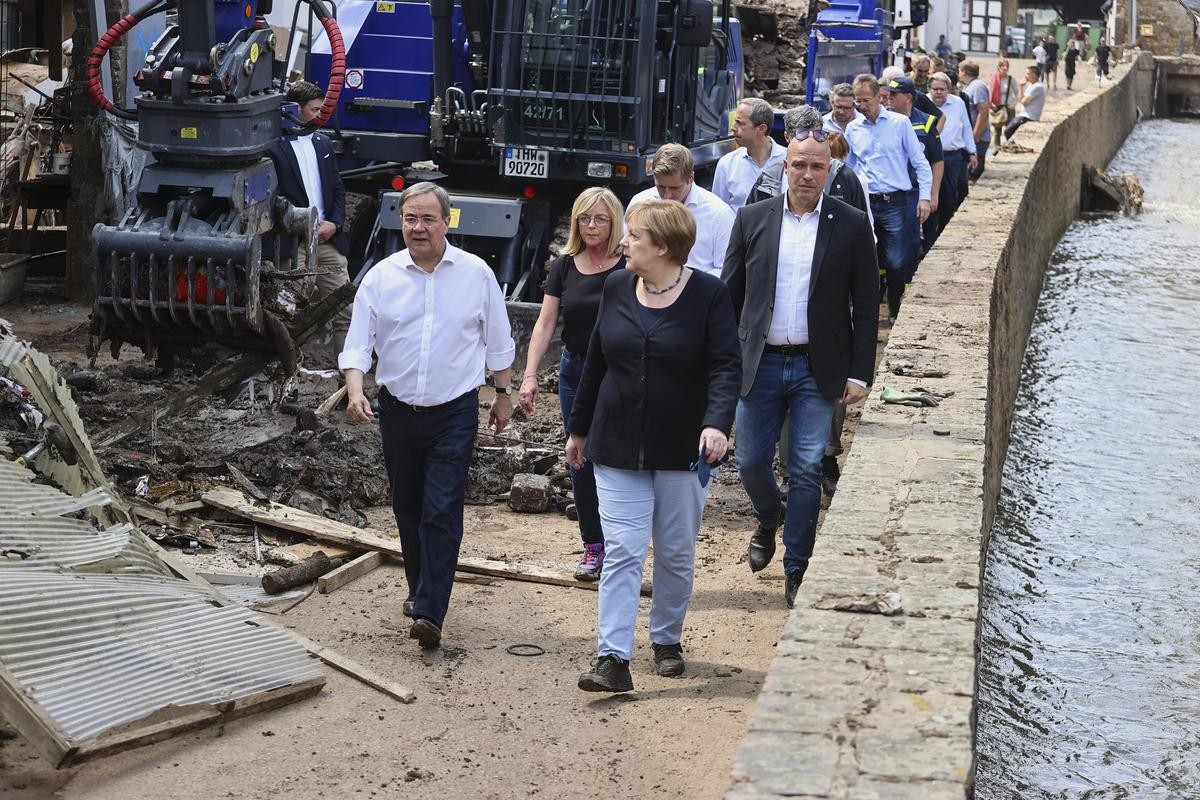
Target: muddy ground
486,723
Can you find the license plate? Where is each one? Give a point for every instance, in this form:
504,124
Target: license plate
525,162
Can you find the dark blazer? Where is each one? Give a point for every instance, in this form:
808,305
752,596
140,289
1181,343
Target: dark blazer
843,292
650,393
291,183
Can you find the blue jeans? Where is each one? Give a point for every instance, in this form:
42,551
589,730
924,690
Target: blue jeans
898,242
428,453
570,368
784,385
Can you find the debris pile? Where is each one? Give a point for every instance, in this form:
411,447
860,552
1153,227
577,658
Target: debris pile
775,41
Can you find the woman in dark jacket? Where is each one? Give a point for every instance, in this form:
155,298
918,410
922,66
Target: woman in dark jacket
658,394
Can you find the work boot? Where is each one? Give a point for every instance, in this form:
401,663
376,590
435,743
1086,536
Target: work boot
591,564
427,633
608,674
792,585
407,608
668,659
762,544
830,474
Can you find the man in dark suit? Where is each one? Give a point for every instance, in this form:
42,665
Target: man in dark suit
307,170
802,272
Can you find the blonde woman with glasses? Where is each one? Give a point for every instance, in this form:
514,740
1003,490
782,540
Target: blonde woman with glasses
572,289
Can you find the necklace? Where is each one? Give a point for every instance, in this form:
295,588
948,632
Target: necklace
665,289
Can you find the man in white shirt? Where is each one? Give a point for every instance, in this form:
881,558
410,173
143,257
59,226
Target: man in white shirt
435,317
737,171
307,171
674,179
958,147
1033,100
841,101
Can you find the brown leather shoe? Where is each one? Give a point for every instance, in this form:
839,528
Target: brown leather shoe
425,632
407,608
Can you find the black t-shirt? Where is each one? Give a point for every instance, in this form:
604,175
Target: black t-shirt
1102,52
1051,51
579,298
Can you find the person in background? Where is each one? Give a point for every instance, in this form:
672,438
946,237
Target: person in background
572,292
1039,54
1070,60
920,101
805,285
1033,100
657,398
434,317
737,171
943,47
1103,51
900,93
842,112
675,179
1050,71
978,101
1003,93
921,67
883,146
307,172
958,147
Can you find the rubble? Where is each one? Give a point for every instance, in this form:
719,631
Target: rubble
530,494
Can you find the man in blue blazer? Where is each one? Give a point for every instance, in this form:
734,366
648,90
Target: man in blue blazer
802,272
307,170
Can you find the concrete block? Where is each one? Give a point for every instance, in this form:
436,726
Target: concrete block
530,493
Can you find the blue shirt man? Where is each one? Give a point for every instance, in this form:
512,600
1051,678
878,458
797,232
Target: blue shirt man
883,146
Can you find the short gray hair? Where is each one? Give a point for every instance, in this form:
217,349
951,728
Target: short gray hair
801,118
761,112
425,187
841,90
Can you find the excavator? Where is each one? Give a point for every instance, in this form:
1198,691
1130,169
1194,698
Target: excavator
518,104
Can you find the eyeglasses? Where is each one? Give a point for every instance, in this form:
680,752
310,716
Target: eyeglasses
585,220
820,135
428,220
862,101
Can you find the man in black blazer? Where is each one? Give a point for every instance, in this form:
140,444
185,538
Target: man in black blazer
802,272
307,170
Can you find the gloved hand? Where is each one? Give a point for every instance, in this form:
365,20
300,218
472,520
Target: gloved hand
913,398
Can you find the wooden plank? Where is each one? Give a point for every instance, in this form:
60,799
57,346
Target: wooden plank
297,521
337,578
331,402
31,720
303,550
357,671
154,729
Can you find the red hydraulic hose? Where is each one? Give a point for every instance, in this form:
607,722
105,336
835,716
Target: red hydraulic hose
94,88
337,70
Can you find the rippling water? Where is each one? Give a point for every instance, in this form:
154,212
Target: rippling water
1090,668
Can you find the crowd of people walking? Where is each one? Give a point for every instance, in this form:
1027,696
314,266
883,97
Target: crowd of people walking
689,318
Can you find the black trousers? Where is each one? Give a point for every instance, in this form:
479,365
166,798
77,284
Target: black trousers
428,453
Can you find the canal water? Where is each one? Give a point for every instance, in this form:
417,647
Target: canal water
1089,681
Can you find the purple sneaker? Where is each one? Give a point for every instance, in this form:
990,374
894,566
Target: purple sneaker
591,563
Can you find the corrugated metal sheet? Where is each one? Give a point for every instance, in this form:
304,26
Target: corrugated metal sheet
94,628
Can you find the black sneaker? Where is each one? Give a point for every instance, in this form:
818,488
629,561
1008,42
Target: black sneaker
830,474
668,659
608,674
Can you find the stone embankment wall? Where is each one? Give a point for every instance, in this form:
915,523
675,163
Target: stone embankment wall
866,705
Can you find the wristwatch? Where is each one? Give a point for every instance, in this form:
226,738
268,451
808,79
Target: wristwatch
504,390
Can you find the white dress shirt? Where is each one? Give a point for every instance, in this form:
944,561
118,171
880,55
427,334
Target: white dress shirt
714,222
306,157
793,271
737,172
882,151
958,134
434,332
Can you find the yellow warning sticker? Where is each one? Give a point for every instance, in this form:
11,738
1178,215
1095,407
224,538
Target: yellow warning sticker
187,133
455,213
254,53
385,8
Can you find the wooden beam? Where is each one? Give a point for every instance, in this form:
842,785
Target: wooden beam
337,578
297,521
31,720
358,671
